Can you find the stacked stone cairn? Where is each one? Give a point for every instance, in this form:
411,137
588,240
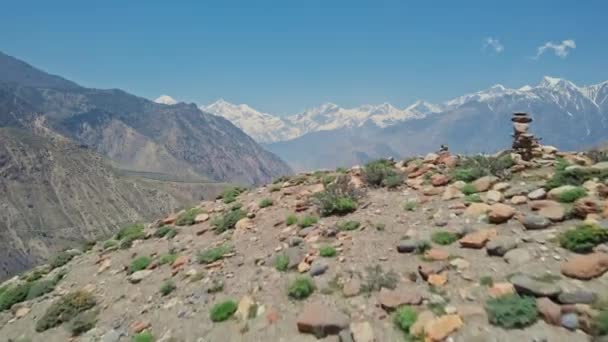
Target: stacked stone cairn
524,142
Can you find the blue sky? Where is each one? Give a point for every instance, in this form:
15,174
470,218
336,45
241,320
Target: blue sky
285,56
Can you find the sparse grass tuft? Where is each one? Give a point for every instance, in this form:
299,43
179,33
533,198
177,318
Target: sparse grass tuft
572,195
83,322
61,259
473,198
327,251
410,205
404,318
139,264
65,309
167,287
168,258
13,294
583,238
213,254
228,220
229,195
348,225
486,281
127,234
378,172
377,279
339,198
222,311
281,262
512,311
291,219
443,237
187,218
266,202
468,189
307,221
301,288
165,231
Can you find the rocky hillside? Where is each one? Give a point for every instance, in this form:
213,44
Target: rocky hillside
440,248
138,134
56,194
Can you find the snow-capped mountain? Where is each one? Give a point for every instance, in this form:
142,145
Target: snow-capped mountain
267,128
165,99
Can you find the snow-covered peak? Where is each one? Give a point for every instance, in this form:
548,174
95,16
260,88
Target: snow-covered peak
165,99
422,107
525,88
556,83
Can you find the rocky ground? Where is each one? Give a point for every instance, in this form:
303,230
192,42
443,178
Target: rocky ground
386,252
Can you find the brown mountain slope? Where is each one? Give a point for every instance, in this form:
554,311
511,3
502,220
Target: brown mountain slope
55,194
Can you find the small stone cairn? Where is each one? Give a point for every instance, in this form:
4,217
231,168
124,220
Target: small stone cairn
524,143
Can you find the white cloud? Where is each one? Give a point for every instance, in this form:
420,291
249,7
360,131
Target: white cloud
493,44
561,50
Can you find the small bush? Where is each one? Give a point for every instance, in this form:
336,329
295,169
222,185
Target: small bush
472,168
82,323
139,264
266,202
135,231
13,294
222,311
61,259
486,281
275,188
339,198
393,181
167,287
230,195
570,196
187,218
328,179
301,288
404,318
40,288
281,262
348,225
144,336
168,258
422,247
213,254
291,219
167,231
377,279
444,237
512,311
376,172
467,174
410,205
468,189
228,220
110,244
583,238
574,177
600,323
307,221
66,308
327,251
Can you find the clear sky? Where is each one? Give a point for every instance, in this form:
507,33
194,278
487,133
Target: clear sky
285,56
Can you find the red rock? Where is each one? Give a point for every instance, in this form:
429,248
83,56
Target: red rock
586,205
180,261
501,289
586,267
552,210
549,311
440,328
500,213
477,239
431,191
321,320
139,326
436,254
476,209
170,220
437,279
420,171
272,316
439,179
484,183
392,299
425,270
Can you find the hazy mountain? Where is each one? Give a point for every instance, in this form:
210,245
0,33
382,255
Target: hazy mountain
138,134
565,115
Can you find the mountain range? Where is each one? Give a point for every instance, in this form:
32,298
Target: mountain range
566,115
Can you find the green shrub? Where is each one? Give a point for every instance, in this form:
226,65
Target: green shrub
168,258
110,244
40,288
404,318
307,221
600,323
327,251
66,308
467,174
392,181
339,198
468,189
301,288
222,311
410,205
377,279
291,219
133,230
376,172
13,294
82,323
266,202
144,336
572,195
213,254
443,237
61,259
348,225
512,311
139,264
328,179
228,220
167,287
583,238
422,247
187,217
574,177
281,262
167,231
230,195
486,281
472,168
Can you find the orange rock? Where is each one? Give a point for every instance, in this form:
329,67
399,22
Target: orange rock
437,279
501,289
170,220
586,267
440,180
139,326
180,261
476,209
477,239
436,254
500,213
440,328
